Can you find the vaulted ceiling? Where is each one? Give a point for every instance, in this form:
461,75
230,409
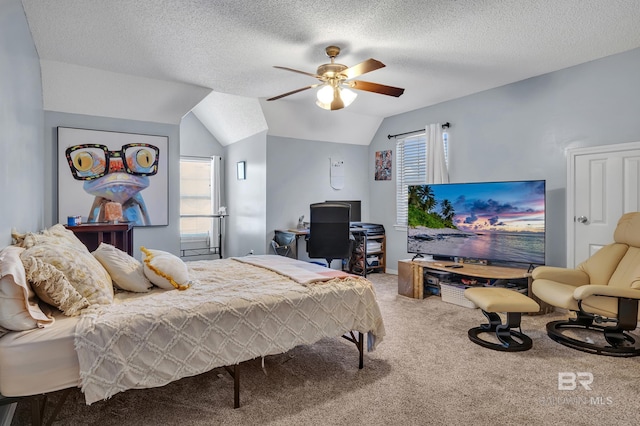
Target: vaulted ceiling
158,59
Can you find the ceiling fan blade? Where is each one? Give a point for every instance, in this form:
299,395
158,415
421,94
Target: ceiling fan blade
298,71
362,68
376,88
293,91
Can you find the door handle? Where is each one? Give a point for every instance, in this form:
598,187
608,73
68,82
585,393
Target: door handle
582,219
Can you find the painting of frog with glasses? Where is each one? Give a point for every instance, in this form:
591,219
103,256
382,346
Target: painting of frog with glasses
112,177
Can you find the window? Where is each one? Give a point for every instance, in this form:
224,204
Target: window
199,201
411,169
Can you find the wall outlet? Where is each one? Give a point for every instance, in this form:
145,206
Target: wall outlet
251,251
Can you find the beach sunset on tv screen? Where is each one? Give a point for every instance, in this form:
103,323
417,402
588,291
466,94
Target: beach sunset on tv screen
500,221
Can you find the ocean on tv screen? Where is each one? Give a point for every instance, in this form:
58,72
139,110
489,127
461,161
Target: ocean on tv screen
498,221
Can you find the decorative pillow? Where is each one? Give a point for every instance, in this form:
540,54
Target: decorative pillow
54,258
165,269
53,287
57,234
19,308
126,271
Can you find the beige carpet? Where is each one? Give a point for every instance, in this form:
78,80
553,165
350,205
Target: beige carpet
425,372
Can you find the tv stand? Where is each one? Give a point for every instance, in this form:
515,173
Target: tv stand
411,276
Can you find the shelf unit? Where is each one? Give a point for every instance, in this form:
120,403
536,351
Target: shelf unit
363,261
119,235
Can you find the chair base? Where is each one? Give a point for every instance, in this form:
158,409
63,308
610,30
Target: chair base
510,340
622,344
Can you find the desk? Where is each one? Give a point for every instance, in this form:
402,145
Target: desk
298,233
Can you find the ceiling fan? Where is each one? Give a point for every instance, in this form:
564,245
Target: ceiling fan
336,79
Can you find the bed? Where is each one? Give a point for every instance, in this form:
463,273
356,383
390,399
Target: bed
205,315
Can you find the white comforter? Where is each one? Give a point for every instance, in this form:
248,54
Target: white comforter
233,312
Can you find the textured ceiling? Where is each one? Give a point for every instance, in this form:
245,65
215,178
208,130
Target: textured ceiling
437,50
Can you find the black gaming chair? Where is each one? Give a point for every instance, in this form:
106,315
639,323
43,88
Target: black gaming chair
329,236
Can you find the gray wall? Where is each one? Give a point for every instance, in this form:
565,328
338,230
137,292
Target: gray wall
158,237
22,158
196,140
246,199
521,131
298,175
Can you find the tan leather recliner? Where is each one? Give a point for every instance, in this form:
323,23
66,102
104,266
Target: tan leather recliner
603,289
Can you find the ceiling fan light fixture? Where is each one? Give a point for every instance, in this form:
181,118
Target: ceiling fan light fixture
333,98
337,79
325,94
348,96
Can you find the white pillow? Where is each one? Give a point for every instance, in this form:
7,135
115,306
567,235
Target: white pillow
165,269
126,271
19,308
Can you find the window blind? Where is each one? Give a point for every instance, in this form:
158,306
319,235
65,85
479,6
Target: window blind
411,169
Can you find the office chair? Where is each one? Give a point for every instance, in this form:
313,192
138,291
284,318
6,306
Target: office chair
281,243
329,236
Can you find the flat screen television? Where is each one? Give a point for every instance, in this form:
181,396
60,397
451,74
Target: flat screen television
500,222
355,209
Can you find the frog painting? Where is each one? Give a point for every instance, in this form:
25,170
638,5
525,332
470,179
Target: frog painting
119,172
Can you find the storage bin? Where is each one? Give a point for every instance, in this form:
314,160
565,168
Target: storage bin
454,293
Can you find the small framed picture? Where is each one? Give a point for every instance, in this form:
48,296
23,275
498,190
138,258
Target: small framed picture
383,165
242,171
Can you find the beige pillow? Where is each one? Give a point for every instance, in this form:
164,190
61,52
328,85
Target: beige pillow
126,271
54,258
19,308
53,287
165,270
57,234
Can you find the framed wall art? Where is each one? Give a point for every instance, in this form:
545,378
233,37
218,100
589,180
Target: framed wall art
241,170
383,165
108,176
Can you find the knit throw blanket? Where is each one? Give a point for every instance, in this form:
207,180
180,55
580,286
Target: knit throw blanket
233,312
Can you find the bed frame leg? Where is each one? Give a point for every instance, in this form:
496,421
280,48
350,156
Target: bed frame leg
359,342
361,349
236,386
39,407
57,408
36,412
234,371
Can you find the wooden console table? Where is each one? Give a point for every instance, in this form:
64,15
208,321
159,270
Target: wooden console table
411,276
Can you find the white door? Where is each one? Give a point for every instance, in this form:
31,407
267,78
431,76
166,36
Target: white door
603,184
